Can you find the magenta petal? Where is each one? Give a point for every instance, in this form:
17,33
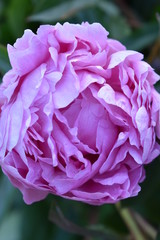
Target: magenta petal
16,115
79,115
117,176
66,89
25,54
120,56
142,119
31,85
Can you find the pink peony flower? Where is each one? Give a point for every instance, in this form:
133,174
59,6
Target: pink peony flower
79,115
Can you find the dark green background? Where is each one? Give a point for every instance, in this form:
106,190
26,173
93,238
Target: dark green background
135,24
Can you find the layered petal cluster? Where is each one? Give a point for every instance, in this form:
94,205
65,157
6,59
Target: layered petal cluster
79,115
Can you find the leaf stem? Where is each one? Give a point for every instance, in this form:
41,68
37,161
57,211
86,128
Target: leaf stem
130,222
56,216
145,226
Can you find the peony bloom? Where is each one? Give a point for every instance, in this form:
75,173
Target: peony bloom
79,115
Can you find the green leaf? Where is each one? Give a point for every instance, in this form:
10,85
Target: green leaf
158,235
6,195
115,22
36,225
56,216
17,12
118,31
147,202
4,60
41,5
10,227
1,8
157,86
142,38
109,8
62,11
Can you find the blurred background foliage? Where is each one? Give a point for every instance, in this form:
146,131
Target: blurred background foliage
136,24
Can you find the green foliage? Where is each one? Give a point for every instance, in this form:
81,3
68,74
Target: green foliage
143,37
62,11
4,61
147,203
158,235
16,14
10,228
136,26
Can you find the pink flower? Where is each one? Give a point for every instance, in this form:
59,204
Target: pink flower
79,115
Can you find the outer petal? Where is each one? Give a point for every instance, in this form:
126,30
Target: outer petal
27,53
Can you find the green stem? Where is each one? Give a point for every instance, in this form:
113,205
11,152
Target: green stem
145,226
130,222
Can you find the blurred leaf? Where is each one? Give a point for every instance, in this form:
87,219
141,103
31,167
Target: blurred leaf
103,229
36,225
142,38
10,228
62,11
16,16
1,8
147,202
6,34
110,217
145,9
112,17
120,31
4,60
109,8
57,217
6,195
147,228
69,9
158,235
157,86
41,5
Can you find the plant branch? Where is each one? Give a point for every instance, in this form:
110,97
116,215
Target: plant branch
144,225
126,215
56,216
